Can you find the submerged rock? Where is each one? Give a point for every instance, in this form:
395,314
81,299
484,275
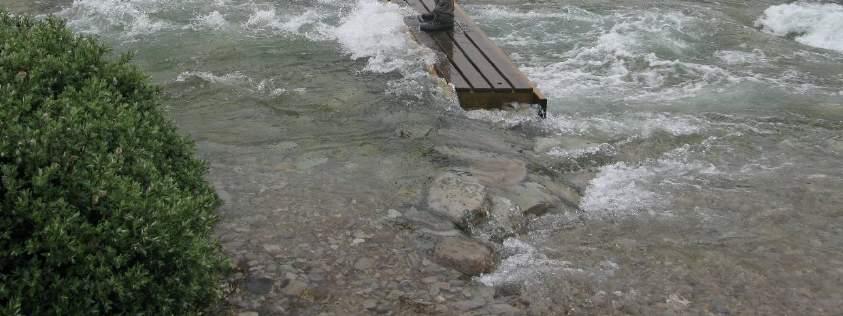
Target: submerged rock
504,212
500,172
295,288
259,285
414,131
534,198
571,144
393,213
364,264
426,221
465,154
458,197
468,256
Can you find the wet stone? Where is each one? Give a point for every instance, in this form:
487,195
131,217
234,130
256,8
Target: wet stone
364,264
272,248
427,222
434,290
468,305
484,291
258,286
458,197
534,198
508,289
295,288
370,304
413,131
503,212
503,309
569,143
392,213
467,256
431,279
500,172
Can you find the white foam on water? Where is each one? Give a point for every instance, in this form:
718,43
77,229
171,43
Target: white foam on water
310,24
212,21
619,190
375,30
507,118
650,79
230,78
523,262
130,17
240,81
622,56
734,57
262,17
602,125
365,29
614,125
814,24
499,12
624,189
604,149
621,61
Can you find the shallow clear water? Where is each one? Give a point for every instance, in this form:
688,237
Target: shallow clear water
705,140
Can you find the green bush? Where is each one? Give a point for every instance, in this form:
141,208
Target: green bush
103,208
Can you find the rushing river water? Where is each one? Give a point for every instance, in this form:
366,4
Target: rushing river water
704,139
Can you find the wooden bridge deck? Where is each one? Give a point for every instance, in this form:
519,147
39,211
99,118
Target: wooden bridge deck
482,74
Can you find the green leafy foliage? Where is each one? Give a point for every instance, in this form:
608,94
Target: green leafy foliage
103,208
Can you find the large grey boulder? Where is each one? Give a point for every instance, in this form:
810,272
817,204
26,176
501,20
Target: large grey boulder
468,256
458,197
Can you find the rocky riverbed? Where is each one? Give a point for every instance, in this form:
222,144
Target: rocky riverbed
419,251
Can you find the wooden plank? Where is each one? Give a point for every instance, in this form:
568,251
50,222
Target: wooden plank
474,55
444,67
483,75
489,71
458,59
493,53
471,73
415,4
492,99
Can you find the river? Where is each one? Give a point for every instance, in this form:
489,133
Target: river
703,141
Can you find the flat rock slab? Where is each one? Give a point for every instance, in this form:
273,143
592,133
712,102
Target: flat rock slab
458,197
500,172
468,256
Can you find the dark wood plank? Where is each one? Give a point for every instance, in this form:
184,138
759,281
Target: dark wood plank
451,74
483,75
487,69
474,55
415,4
458,58
469,71
444,67
494,54
429,5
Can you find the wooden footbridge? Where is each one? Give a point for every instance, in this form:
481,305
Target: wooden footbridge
481,73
